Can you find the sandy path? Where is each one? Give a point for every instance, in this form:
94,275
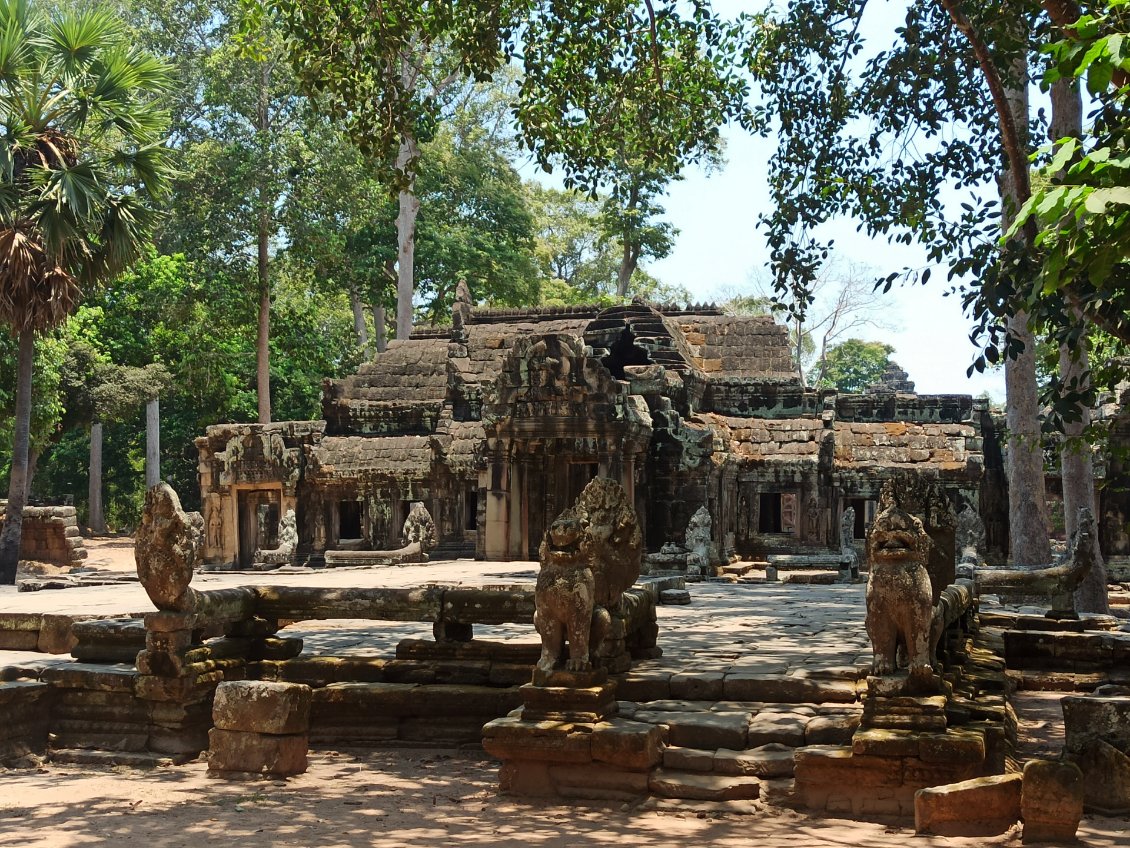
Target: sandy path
394,798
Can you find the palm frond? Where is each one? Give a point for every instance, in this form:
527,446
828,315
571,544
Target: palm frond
79,39
35,293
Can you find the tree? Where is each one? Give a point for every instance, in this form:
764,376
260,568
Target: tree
1081,210
840,300
580,253
883,137
638,109
241,139
84,161
853,365
98,391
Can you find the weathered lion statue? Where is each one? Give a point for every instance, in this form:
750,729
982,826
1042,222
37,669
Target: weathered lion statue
589,556
900,606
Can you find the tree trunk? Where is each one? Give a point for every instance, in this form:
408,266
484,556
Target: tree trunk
631,256
152,443
1077,468
628,262
380,328
12,534
359,326
96,515
406,236
263,239
1027,506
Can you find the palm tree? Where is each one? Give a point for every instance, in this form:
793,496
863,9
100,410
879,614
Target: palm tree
83,158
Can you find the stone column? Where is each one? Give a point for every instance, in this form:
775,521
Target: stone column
152,443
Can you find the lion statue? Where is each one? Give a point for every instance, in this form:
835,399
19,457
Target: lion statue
589,556
900,606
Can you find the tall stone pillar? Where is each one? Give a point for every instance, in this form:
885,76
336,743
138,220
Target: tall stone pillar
152,443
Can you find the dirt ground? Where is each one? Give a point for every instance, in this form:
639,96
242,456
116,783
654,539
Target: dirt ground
407,797
414,797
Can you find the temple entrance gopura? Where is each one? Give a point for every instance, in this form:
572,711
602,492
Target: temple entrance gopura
498,421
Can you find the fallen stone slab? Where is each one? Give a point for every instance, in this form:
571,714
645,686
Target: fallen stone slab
984,806
675,597
703,787
1051,801
766,761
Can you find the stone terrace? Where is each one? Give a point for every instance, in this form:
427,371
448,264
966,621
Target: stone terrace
738,629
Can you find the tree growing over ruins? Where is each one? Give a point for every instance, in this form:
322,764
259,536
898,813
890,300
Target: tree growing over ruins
883,137
84,163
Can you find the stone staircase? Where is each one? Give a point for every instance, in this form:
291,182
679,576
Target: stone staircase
734,752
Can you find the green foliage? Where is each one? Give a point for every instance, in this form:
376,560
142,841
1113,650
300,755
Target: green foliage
853,365
579,254
1081,201
896,131
46,394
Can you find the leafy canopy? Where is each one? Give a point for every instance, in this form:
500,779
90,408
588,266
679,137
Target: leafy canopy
82,156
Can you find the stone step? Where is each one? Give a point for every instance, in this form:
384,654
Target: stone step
697,786
767,761
131,759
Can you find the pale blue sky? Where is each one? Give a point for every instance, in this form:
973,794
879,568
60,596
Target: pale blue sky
719,248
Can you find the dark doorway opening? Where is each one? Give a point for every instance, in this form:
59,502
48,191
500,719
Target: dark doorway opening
471,508
859,531
769,514
624,352
258,523
349,520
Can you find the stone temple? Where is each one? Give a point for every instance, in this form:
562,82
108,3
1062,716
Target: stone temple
497,422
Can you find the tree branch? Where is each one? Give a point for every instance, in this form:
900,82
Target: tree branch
1010,135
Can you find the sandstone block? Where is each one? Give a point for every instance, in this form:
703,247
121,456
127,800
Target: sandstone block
984,806
767,761
256,753
831,729
697,686
777,689
1051,801
1106,772
598,782
688,759
514,739
627,744
877,742
1088,717
259,707
783,728
644,686
953,746
827,765
708,730
703,787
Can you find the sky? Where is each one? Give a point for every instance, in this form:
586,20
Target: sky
720,250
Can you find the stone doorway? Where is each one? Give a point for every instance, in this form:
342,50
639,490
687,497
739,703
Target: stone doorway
258,523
